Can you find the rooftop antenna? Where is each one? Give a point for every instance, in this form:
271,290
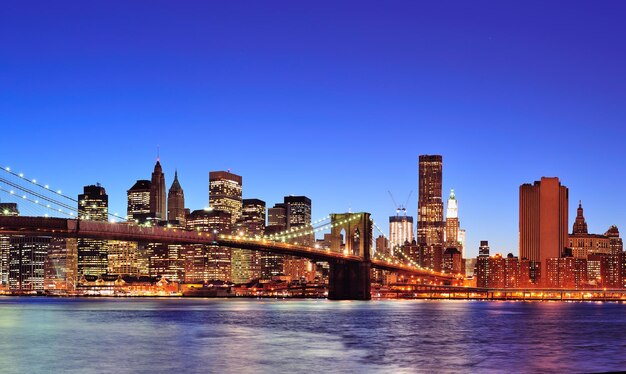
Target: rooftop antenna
158,152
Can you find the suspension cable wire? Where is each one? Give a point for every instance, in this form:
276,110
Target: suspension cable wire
297,229
37,202
48,189
34,182
38,195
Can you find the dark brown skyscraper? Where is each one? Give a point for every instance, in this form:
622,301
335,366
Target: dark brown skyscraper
430,223
176,202
157,193
543,220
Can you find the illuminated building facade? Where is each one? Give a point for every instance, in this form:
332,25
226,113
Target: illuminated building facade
225,191
543,220
176,203
93,205
123,258
584,244
138,202
6,209
26,263
454,236
481,272
400,231
616,244
158,208
271,263
218,258
298,209
382,246
452,261
246,265
566,272
430,224
60,266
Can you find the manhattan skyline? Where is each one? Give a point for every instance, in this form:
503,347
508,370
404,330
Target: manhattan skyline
353,108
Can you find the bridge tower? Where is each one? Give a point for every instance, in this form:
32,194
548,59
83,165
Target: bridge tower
351,234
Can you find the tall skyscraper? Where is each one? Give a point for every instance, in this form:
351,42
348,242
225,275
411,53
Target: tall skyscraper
298,210
246,264
176,202
138,208
582,243
218,266
272,263
543,214
225,191
454,236
6,209
430,225
93,205
400,231
157,193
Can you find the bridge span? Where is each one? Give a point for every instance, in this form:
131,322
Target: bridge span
349,269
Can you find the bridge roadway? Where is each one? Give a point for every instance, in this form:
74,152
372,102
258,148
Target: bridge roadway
71,228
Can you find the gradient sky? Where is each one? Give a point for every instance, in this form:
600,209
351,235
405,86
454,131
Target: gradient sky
333,101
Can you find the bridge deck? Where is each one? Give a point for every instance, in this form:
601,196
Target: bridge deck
60,227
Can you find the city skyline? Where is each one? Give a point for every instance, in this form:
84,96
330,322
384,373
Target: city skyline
93,106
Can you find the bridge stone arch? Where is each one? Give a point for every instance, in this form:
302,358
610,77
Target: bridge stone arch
349,279
358,229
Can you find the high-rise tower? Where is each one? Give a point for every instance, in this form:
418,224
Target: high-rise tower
543,221
225,193
157,193
453,233
430,225
93,205
176,202
138,208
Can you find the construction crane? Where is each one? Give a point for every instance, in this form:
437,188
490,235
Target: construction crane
400,208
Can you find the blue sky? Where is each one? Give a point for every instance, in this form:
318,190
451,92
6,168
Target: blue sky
333,101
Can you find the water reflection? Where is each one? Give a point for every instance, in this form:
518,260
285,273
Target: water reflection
251,336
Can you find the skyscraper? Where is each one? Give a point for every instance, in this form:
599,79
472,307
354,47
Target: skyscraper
225,191
245,263
26,263
176,202
138,208
93,205
400,231
272,263
6,209
543,220
157,193
298,210
430,223
454,237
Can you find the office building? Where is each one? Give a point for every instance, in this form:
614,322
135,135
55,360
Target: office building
138,205
158,202
176,203
225,191
430,224
93,205
400,231
543,214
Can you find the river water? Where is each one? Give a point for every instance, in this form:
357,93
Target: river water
100,335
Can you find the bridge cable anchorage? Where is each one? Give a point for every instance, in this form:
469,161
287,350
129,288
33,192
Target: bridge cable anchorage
34,182
37,202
